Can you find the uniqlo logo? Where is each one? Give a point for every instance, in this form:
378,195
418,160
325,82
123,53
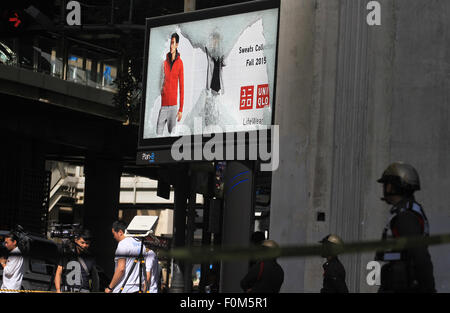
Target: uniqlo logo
262,96
246,102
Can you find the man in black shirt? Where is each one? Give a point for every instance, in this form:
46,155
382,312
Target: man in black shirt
334,271
409,270
266,276
76,270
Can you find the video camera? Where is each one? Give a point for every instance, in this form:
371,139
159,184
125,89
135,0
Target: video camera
64,231
23,240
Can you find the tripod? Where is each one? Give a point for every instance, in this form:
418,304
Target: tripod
141,261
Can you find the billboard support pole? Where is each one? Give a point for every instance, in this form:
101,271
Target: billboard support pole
180,206
190,229
102,193
238,220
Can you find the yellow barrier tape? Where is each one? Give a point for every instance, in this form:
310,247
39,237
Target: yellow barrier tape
24,291
212,254
219,253
40,291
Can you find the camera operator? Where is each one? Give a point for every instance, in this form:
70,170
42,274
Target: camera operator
13,265
76,267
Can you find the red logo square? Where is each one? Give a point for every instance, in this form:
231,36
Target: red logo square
262,96
246,101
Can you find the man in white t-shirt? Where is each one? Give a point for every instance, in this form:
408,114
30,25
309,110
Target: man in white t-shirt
13,266
126,253
152,271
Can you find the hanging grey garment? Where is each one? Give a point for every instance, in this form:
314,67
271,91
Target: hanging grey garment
211,111
214,80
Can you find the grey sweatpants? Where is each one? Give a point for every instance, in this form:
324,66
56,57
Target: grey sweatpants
166,114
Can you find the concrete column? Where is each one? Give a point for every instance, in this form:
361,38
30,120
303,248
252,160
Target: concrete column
328,147
101,202
350,132
289,197
351,99
420,113
238,217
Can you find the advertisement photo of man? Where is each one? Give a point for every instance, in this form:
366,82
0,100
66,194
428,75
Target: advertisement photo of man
173,75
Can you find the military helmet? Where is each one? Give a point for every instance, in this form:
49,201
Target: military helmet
270,244
401,175
331,238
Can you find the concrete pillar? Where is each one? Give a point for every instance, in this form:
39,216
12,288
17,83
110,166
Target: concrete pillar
350,132
289,197
351,99
101,202
419,110
238,217
328,146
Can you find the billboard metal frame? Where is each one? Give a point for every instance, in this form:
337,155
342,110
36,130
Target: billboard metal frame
162,145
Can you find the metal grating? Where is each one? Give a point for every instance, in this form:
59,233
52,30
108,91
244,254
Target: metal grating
34,196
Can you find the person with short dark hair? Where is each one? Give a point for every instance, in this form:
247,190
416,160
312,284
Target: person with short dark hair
173,72
13,265
126,275
76,271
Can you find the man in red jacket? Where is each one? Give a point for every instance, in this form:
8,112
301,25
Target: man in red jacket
173,73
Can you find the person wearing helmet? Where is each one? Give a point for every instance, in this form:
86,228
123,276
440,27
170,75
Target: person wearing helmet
334,271
408,270
265,276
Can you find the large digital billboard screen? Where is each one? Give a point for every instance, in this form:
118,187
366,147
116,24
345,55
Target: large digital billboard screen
209,72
